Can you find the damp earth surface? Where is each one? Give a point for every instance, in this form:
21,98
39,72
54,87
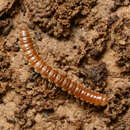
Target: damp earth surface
88,40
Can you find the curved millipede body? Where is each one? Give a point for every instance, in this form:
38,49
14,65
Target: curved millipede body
40,66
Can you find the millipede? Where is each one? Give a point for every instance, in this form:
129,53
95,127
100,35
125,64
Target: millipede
61,80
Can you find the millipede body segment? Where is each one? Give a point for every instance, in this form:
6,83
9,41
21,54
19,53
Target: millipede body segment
72,87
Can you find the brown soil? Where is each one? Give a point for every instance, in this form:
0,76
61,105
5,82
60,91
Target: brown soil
89,40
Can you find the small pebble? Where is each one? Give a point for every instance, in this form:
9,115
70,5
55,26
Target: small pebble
121,42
